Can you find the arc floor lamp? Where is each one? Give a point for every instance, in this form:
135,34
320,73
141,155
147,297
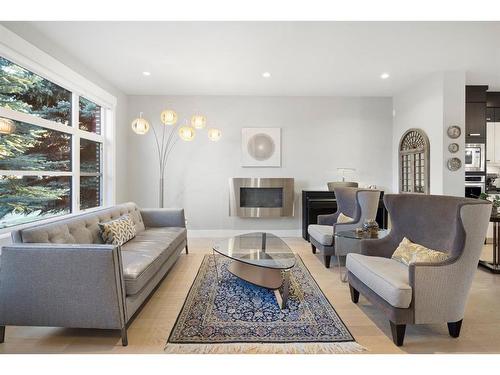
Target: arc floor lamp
167,138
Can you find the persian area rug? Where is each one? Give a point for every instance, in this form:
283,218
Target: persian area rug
234,316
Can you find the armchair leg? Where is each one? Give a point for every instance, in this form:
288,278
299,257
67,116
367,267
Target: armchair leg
398,333
2,334
187,250
354,294
454,328
327,260
124,336
313,248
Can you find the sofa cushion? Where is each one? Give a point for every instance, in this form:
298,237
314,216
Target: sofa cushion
408,252
321,233
118,231
78,228
386,277
144,255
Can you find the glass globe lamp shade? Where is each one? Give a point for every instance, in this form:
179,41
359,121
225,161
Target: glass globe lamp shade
187,133
198,121
168,117
140,126
7,126
214,134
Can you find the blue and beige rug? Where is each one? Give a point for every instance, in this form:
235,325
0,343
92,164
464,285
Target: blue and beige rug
234,316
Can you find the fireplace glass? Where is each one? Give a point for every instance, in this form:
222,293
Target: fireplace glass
261,197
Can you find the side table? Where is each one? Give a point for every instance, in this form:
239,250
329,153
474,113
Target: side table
494,266
349,241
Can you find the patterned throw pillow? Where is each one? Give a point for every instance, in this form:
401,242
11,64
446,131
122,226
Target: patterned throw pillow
409,252
342,219
118,231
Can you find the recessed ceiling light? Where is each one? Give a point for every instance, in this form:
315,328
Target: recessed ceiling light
147,74
384,75
266,75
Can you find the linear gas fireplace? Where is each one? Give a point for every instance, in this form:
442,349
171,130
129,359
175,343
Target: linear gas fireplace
261,197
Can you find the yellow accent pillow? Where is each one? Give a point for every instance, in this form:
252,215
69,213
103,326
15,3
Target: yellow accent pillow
342,219
409,252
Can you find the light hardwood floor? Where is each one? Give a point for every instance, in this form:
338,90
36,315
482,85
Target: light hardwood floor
149,331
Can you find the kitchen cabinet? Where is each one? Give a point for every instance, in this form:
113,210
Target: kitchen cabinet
493,142
492,114
475,122
475,94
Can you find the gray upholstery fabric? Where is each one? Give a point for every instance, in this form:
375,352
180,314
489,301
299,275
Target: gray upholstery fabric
58,285
144,255
321,233
163,217
454,225
386,277
78,228
81,283
363,207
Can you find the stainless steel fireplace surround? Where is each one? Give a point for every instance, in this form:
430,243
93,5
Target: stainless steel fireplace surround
261,197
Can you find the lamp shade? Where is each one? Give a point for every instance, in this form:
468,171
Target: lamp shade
198,121
187,133
140,126
214,134
7,126
168,117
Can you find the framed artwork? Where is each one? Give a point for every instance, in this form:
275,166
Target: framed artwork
261,147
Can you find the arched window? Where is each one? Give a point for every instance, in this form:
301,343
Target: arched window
414,162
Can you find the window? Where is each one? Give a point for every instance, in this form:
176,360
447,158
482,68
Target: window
51,160
414,162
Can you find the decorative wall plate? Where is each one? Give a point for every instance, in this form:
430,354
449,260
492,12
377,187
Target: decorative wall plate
453,147
454,131
454,164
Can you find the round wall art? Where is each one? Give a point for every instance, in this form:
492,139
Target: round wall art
454,131
453,147
454,164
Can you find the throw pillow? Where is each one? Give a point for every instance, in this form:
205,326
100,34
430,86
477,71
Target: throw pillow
409,252
118,231
342,219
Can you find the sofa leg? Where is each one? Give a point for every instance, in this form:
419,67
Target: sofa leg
2,334
313,248
327,260
187,250
454,328
124,336
398,333
354,294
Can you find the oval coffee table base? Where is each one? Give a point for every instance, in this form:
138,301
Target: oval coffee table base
266,277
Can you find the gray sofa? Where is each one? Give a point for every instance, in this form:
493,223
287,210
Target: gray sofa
60,274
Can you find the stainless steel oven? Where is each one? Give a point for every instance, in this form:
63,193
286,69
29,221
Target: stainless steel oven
475,157
474,185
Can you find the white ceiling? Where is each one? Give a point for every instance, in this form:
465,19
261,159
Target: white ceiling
304,58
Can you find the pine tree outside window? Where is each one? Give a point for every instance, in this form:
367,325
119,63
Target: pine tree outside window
51,148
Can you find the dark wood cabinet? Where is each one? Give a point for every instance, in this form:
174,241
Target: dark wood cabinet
475,94
316,203
493,99
475,122
496,117
490,114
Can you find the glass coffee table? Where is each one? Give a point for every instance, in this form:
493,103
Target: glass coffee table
262,259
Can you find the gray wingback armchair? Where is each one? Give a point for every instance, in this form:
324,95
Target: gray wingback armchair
423,293
359,204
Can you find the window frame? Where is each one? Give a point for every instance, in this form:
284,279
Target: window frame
20,52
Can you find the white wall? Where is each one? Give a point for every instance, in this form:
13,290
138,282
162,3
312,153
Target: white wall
319,134
432,105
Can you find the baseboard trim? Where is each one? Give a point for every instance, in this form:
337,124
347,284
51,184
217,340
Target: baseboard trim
221,233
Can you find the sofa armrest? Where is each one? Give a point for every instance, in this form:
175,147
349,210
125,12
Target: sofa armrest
440,290
163,217
329,219
62,285
383,247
